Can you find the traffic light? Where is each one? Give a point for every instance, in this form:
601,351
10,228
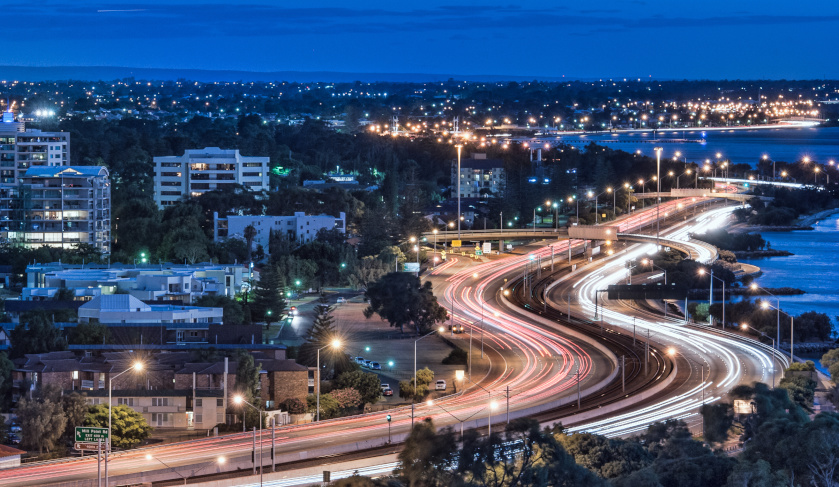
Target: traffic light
388,418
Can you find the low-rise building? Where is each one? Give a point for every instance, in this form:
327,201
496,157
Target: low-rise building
299,228
176,408
164,282
201,170
479,177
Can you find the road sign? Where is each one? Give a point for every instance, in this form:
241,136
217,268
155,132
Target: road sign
86,434
88,446
456,243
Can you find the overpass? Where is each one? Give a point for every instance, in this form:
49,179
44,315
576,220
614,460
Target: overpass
694,249
498,234
699,193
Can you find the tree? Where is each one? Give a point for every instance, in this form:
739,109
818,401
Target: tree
247,374
128,427
427,458
75,408
830,361
232,312
320,337
42,422
250,234
716,420
6,368
269,297
35,333
329,407
368,269
347,399
399,299
609,458
368,385
424,377
86,333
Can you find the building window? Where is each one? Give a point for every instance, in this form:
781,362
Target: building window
199,418
160,401
198,402
125,401
75,375
219,402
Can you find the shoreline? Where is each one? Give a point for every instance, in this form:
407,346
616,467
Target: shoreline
677,130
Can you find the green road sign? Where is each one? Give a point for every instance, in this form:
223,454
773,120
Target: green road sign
85,434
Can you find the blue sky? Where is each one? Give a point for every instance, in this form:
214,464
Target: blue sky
608,38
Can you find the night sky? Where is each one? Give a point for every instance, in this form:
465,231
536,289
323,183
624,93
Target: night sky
582,39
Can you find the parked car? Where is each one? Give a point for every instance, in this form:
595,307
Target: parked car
375,366
440,385
385,386
341,300
387,392
359,360
367,364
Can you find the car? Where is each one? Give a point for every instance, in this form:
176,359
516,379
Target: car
387,392
341,300
359,360
367,364
385,386
440,385
292,311
375,366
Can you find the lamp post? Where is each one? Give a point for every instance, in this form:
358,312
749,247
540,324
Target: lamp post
746,327
766,158
459,147
241,400
440,330
755,287
658,195
336,344
651,264
711,297
137,366
596,211
765,305
672,352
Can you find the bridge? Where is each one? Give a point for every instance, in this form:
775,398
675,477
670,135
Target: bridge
699,193
498,234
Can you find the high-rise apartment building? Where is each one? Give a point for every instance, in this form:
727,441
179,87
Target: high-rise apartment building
479,177
58,206
21,149
201,170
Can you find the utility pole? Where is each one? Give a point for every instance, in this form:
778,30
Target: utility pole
578,387
459,147
508,404
647,353
658,195
623,373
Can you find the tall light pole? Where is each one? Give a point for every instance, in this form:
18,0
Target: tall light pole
237,399
438,330
745,327
764,305
658,196
336,344
711,297
137,366
459,147
755,287
596,211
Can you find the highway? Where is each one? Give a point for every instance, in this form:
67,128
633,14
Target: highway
535,362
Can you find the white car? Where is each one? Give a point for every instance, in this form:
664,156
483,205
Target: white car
341,300
440,385
385,386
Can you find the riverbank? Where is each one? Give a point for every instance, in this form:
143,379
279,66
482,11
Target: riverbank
810,220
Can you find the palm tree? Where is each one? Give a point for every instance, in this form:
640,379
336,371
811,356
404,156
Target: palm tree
250,234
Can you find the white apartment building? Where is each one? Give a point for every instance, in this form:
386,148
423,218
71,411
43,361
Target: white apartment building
300,228
166,282
185,409
58,206
201,170
124,308
21,149
478,173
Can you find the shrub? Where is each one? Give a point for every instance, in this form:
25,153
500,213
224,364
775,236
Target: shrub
293,406
457,356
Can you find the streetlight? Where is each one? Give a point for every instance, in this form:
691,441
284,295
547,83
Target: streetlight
672,352
755,287
237,399
711,297
658,196
136,366
220,461
439,330
596,211
459,147
335,344
492,405
650,263
766,158
766,305
746,327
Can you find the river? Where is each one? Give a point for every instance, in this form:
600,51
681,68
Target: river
813,268
740,146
